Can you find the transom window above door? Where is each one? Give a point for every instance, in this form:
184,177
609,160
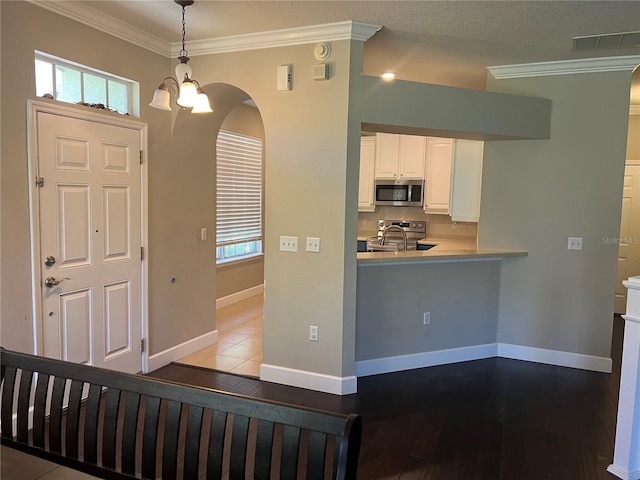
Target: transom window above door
71,82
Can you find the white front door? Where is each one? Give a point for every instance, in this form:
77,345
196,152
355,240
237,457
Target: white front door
629,250
90,241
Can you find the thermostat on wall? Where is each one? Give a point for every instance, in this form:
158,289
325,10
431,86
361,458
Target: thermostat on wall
284,78
320,72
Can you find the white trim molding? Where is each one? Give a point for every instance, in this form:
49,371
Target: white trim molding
105,23
365,368
564,67
172,354
555,357
239,296
309,380
399,363
347,30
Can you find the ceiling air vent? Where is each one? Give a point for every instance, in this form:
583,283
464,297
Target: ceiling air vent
610,40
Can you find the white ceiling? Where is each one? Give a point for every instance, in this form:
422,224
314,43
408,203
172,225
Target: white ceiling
448,42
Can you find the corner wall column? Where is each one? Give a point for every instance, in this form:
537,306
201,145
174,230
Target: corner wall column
626,457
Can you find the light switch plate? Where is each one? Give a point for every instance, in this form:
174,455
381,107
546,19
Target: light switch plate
313,244
575,243
288,244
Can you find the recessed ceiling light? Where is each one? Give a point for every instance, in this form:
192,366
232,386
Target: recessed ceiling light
388,76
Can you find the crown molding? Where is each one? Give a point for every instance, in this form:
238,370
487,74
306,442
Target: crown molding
348,30
106,23
565,67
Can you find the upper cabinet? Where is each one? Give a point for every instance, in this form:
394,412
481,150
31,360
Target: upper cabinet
466,180
367,166
438,175
399,156
453,171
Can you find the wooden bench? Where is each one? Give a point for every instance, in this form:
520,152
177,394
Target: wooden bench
115,425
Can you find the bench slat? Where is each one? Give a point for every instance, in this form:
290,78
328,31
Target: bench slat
170,447
290,451
216,444
24,396
239,446
264,448
73,418
55,415
91,418
9,379
129,433
39,409
316,455
109,438
150,437
192,442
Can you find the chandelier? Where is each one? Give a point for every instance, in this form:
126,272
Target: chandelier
186,89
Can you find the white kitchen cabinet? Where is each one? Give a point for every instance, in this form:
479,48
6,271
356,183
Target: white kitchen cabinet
466,180
367,165
399,156
438,162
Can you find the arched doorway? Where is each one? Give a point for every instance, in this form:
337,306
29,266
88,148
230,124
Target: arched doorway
240,159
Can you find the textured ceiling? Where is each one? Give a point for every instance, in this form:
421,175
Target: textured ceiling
448,42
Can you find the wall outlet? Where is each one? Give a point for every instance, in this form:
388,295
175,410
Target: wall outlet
426,318
313,333
313,244
203,234
575,243
288,244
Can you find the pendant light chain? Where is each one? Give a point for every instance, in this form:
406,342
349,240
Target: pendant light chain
183,52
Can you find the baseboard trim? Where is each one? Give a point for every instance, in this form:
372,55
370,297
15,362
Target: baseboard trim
309,380
239,296
555,357
399,363
623,474
174,353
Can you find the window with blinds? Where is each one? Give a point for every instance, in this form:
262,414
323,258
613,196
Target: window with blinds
238,197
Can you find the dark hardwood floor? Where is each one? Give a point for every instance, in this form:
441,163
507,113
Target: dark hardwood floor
493,419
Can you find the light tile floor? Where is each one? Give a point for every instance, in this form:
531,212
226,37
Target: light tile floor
240,334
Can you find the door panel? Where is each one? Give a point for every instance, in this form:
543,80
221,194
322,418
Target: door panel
90,221
75,314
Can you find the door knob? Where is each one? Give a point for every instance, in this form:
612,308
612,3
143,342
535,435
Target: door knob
50,260
52,282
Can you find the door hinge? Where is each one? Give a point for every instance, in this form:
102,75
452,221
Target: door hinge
141,253
141,156
142,345
39,181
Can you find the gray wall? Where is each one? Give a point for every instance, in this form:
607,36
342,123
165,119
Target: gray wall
462,298
537,193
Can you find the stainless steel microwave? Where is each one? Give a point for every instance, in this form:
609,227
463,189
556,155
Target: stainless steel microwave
399,193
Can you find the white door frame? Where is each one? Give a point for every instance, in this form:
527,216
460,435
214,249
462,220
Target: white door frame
33,108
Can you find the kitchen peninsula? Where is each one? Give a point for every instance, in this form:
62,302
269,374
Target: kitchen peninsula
445,249
421,308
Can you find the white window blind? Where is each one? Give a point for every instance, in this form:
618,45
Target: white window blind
239,192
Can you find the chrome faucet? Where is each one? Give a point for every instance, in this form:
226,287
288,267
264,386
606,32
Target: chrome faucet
396,227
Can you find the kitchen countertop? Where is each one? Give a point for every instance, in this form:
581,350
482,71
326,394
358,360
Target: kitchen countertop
447,249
